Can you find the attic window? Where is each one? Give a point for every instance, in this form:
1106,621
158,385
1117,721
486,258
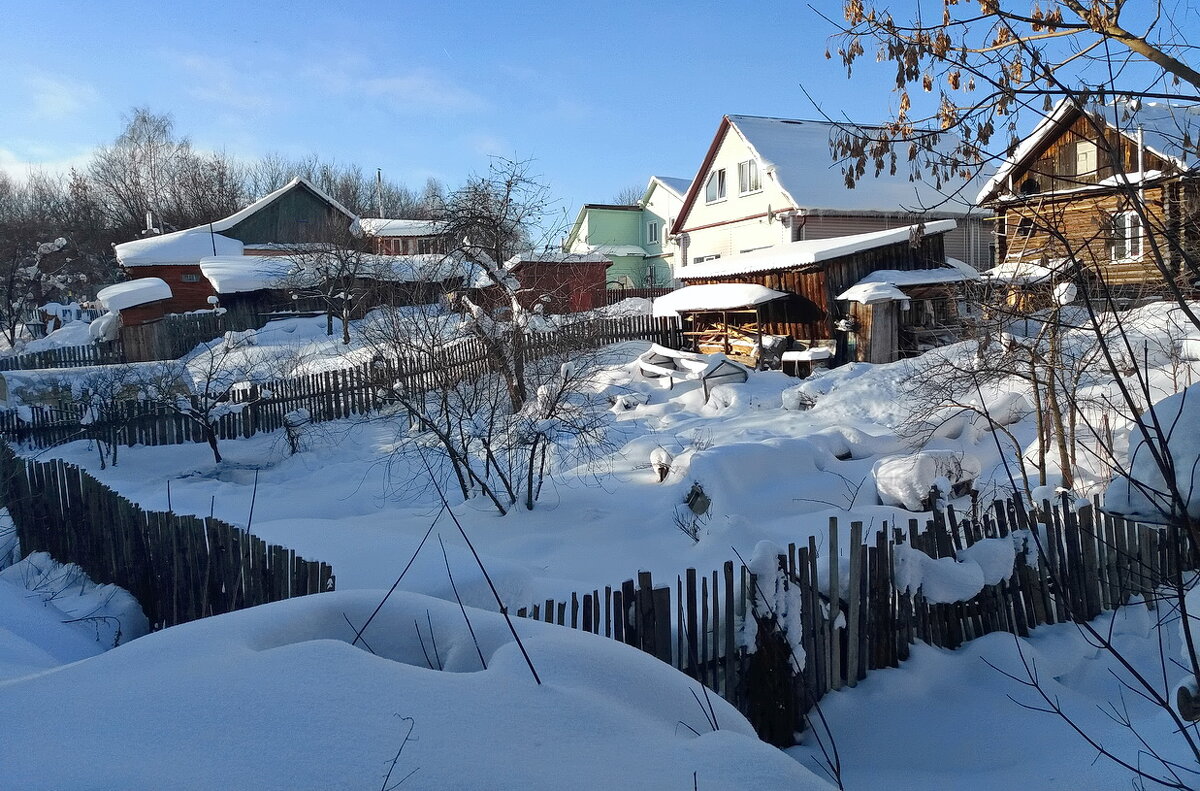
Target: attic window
748,180
1030,187
714,189
1085,158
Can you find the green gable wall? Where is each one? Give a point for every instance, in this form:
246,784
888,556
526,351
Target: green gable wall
292,217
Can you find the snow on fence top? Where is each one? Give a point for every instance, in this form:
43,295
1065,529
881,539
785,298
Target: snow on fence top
714,296
1020,273
233,274
812,251
141,291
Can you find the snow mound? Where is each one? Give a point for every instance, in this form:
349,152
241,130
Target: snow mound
610,713
905,481
1144,493
51,614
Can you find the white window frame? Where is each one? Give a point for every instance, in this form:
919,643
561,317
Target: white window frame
1127,235
652,236
1089,148
715,187
749,179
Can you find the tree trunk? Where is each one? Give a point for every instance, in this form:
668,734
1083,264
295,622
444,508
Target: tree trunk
210,434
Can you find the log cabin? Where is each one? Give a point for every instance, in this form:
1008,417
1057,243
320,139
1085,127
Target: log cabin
1103,193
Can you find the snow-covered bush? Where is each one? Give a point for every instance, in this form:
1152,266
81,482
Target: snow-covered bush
905,481
1167,439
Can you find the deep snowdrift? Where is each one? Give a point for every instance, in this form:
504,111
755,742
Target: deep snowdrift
276,698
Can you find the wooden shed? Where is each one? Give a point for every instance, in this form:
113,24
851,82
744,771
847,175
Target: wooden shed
814,274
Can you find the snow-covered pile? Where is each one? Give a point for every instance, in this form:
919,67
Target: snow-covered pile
276,697
51,614
1168,436
906,481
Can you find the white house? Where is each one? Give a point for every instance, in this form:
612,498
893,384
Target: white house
771,181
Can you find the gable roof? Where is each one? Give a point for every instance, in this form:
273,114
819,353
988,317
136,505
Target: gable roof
676,186
1172,131
191,244
797,153
812,251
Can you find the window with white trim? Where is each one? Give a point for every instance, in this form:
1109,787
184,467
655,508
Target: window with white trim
1085,158
1126,236
748,180
714,189
652,232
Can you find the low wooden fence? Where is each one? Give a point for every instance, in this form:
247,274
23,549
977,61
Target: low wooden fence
744,637
64,357
614,295
179,568
329,395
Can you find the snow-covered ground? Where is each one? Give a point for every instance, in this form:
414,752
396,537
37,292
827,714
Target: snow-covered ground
944,720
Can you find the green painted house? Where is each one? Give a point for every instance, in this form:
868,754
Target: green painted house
633,237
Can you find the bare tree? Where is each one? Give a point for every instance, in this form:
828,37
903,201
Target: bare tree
629,195
335,267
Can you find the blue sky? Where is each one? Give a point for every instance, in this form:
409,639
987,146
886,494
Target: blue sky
601,95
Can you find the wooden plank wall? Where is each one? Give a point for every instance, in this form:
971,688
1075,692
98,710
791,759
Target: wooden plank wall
178,567
1087,563
329,395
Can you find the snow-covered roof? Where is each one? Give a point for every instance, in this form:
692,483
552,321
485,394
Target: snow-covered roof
811,251
190,245
557,257
1018,273
234,274
676,185
427,268
798,153
1165,127
141,291
380,226
871,293
919,277
610,249
180,247
714,296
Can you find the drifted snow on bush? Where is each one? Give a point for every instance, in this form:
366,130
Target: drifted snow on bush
1144,494
905,481
774,597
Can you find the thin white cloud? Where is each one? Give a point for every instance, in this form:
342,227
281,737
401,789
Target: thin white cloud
218,82
18,166
54,98
417,91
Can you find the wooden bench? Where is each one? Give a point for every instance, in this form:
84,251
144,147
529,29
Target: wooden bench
672,365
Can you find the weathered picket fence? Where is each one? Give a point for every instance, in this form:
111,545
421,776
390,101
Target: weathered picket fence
64,357
179,568
327,395
1072,565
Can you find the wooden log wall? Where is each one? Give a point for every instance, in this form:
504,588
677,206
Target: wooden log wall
329,395
1073,565
178,567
